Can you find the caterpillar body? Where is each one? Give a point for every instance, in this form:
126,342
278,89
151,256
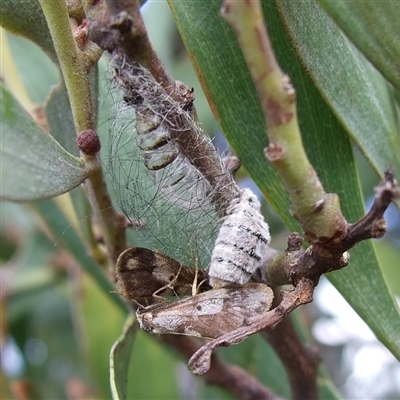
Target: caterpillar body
242,242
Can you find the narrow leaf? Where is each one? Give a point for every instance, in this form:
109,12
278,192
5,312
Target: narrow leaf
60,120
26,18
357,93
120,356
34,166
373,26
66,237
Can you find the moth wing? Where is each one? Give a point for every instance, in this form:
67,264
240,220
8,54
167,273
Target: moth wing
141,272
210,314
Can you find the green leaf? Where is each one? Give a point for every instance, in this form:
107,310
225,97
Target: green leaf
60,120
94,305
120,356
34,166
373,26
327,389
37,76
26,18
357,93
234,100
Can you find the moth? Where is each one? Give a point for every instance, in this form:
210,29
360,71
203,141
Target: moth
242,242
144,274
208,315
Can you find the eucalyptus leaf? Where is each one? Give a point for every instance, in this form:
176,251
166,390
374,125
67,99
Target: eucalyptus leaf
373,26
234,100
356,91
26,18
120,356
37,76
34,166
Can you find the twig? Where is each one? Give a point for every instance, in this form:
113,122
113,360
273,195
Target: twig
72,62
119,24
317,260
373,224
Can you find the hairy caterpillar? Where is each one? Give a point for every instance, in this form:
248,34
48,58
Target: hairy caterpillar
242,242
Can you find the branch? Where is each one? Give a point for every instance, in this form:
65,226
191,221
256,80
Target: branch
295,263
119,24
373,224
73,63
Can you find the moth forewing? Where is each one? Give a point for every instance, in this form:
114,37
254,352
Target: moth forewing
208,315
143,273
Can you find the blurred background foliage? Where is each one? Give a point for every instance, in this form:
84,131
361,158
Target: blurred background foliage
58,325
